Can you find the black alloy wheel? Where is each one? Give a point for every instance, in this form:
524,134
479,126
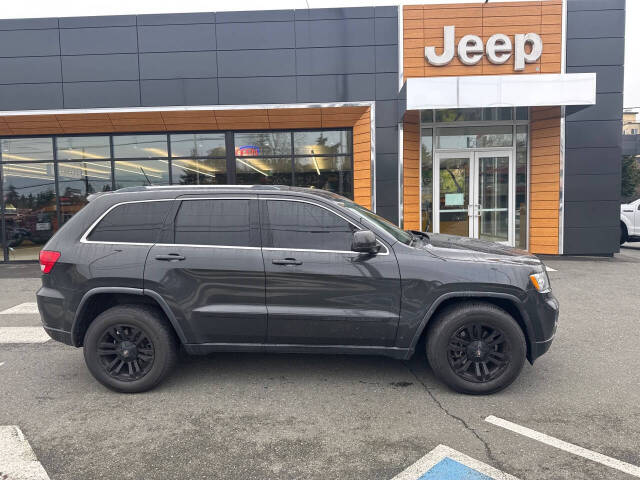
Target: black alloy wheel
478,352
126,352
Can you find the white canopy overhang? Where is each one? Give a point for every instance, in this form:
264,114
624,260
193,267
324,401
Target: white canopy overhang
535,90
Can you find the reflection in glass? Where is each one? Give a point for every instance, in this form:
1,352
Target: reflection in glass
521,186
454,196
426,146
522,113
327,173
426,116
77,180
26,149
475,137
322,142
140,146
141,172
78,148
206,171
474,114
255,144
493,198
197,145
30,208
263,171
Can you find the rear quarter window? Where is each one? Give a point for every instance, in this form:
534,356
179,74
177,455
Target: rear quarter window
132,223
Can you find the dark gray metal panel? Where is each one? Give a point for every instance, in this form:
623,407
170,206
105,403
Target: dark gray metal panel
386,31
177,38
334,13
609,78
247,36
85,41
386,12
176,18
386,58
387,140
595,51
28,23
34,96
606,133
596,213
592,160
390,212
592,187
241,91
101,94
25,43
98,21
187,91
577,5
78,68
335,60
335,88
595,24
178,64
631,144
255,16
335,33
247,63
608,107
386,113
386,86
592,240
30,70
386,167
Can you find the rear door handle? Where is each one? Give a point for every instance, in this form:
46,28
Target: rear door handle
172,257
286,261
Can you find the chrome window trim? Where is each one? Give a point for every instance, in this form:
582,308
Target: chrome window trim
168,245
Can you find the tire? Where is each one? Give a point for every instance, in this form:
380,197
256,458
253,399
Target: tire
624,235
140,337
500,345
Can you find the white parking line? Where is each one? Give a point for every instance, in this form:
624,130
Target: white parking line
549,269
28,307
17,460
1,363
567,447
23,335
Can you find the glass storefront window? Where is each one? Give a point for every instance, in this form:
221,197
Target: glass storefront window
522,113
198,145
333,174
77,180
475,137
26,149
141,173
426,116
29,200
206,171
322,142
522,141
263,171
474,114
257,144
426,156
78,148
140,146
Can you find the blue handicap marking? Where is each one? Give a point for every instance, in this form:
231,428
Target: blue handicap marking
448,469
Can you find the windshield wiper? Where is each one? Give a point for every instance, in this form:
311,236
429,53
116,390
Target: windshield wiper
418,233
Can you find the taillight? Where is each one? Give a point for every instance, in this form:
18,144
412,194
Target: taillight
47,260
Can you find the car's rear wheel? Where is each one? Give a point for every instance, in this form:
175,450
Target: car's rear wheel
624,235
130,348
476,348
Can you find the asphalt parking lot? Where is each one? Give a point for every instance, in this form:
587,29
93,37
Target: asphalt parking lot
245,416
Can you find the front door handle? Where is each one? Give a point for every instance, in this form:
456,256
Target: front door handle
172,257
286,261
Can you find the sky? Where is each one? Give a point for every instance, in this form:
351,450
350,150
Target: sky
72,8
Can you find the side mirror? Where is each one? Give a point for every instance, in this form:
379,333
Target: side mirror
364,241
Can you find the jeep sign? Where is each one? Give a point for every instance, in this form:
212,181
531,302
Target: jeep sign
499,49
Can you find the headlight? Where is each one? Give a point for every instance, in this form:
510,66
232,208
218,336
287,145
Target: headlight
541,282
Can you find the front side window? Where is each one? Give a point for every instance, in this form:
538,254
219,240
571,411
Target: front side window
301,225
131,223
223,222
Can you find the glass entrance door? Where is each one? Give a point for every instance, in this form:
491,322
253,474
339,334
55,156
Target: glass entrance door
474,195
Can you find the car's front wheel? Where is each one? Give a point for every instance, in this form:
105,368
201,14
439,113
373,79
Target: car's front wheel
130,348
476,348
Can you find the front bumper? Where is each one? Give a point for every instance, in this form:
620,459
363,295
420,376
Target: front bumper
545,316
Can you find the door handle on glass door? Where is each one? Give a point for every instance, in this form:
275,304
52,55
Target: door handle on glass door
286,261
172,257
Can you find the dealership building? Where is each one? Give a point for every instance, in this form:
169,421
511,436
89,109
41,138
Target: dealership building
498,121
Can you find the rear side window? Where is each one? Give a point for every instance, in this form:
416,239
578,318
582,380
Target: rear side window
132,223
300,225
223,222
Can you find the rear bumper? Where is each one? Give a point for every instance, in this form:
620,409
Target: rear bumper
52,314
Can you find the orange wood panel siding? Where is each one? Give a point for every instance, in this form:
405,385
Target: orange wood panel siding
411,170
544,196
362,159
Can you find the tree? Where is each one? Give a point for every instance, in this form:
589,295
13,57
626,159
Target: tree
630,177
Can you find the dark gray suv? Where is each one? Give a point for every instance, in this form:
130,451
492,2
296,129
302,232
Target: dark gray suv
141,271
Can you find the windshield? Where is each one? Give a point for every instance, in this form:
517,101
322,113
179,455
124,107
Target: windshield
386,225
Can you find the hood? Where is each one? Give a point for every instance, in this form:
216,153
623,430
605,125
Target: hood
471,249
